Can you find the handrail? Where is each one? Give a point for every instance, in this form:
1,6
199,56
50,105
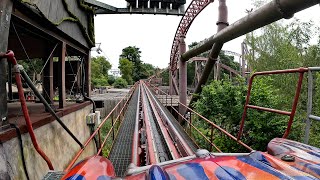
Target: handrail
213,125
309,104
301,72
99,127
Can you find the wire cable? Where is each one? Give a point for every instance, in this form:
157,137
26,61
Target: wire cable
21,149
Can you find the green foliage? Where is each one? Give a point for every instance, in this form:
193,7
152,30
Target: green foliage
111,79
120,83
222,102
126,68
147,70
165,77
288,46
132,53
131,66
99,71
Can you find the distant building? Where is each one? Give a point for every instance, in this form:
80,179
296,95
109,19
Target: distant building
115,72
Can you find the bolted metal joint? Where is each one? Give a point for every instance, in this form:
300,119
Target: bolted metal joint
222,23
17,68
285,15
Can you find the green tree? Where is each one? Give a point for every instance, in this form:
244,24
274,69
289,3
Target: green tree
286,46
99,71
126,68
132,53
120,83
147,70
165,77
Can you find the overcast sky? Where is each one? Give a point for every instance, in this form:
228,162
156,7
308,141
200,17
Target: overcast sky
154,34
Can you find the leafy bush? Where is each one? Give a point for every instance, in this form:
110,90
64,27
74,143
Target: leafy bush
222,103
120,83
111,79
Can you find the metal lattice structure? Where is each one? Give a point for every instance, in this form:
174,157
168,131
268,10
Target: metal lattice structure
195,7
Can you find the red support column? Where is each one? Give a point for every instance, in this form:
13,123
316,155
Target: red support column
62,76
182,79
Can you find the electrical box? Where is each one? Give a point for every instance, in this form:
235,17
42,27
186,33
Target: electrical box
91,118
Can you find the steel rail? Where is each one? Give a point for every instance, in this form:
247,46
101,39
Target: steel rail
165,134
111,129
190,124
214,125
194,8
152,151
173,131
301,72
96,131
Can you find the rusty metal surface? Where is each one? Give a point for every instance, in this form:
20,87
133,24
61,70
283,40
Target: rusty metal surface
195,7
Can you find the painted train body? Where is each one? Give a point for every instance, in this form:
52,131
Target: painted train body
285,159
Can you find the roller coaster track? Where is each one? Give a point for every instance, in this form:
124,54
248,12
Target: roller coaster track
195,8
148,134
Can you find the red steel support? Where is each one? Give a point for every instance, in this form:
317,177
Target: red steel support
301,72
12,59
182,79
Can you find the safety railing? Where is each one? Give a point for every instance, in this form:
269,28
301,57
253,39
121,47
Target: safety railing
291,113
310,116
114,118
191,128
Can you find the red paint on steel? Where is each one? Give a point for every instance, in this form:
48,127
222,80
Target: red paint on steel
295,102
210,142
194,8
301,71
148,131
95,132
10,57
215,126
166,135
269,110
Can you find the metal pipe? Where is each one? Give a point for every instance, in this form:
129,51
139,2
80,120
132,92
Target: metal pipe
10,57
317,118
271,12
47,106
214,53
269,110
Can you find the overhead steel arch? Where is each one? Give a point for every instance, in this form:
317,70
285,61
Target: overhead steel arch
194,8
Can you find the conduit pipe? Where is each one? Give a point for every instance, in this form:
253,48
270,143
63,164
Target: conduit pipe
10,57
271,12
214,53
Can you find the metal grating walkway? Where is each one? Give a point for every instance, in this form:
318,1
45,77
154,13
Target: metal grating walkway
120,154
